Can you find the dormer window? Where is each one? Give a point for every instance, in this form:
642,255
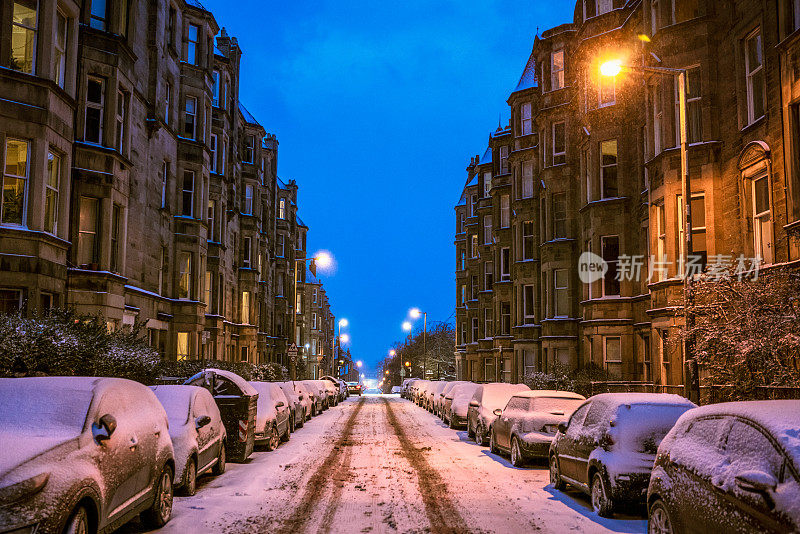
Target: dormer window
557,70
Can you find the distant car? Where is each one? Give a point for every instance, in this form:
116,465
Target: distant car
731,467
457,410
486,399
306,396
440,406
354,388
318,394
341,387
525,428
272,415
197,432
608,447
396,390
332,390
296,405
82,455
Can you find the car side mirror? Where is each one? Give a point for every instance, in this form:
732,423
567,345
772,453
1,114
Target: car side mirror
562,427
280,404
202,421
474,404
498,412
756,482
105,428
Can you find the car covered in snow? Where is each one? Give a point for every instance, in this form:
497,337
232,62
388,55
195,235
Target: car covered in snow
296,405
486,399
436,399
608,446
525,428
272,415
341,388
82,454
397,390
306,395
197,432
319,393
439,407
331,391
730,467
458,405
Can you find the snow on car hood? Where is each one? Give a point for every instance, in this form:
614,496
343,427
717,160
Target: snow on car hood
19,447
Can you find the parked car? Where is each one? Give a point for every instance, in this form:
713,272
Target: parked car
439,408
197,432
296,406
486,399
272,415
419,391
457,408
332,391
82,453
354,388
731,467
430,393
407,383
397,390
317,395
525,428
341,388
307,398
608,447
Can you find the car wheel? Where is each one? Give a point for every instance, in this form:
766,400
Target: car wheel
480,435
659,521
161,510
601,502
78,522
285,437
190,481
555,474
222,461
517,460
492,444
274,439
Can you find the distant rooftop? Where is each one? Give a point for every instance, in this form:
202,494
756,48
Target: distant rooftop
528,78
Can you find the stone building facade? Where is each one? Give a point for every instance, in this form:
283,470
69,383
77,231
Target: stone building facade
592,163
138,186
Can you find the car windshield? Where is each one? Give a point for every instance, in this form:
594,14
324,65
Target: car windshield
561,405
641,427
45,410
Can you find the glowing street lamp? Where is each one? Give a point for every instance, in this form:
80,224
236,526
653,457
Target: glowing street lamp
359,364
343,323
611,68
392,353
387,371
407,326
414,313
344,338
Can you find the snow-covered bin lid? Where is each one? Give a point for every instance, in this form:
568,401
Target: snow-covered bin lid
245,388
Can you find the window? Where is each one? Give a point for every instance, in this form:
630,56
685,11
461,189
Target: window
612,356
559,215
657,115
528,304
527,179
528,362
489,368
299,303
192,40
215,89
248,199
462,220
557,70
505,263
279,285
487,229
791,16
607,91
60,50
505,211
474,287
280,251
587,172
661,240
183,346
187,194
526,119
315,297
473,206
463,300
282,209
559,143
488,323
51,193
246,252
528,245
475,332
245,307
694,119
762,227
503,160
487,184
224,154
15,181
474,246
209,290
754,72
164,179
116,235
488,275
23,35
462,261
190,117
561,292
699,248
213,149
249,148
185,280
122,103
162,270
543,217
87,231
93,127
610,252
608,169
505,318
167,97
314,321
592,8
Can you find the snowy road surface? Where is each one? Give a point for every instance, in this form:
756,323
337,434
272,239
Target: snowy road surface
382,464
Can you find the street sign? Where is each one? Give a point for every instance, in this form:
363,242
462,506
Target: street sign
293,353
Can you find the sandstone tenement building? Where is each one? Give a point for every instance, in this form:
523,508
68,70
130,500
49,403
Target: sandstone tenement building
137,185
592,163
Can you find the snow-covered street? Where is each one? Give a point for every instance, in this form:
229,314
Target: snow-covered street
383,464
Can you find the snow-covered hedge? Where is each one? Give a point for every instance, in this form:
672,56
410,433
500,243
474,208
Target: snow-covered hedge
562,378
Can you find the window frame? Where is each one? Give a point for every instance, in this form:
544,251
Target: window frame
51,194
60,45
558,158
188,194
604,168
751,73
16,178
560,290
557,75
97,106
192,49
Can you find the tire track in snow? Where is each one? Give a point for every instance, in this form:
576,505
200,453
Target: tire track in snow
332,468
442,514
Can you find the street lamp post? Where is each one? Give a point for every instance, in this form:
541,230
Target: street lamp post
323,260
613,68
337,341
415,313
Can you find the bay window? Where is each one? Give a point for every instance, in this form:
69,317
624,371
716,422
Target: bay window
187,194
561,292
608,169
60,49
15,181
95,104
51,193
527,179
526,119
557,70
610,252
98,14
190,117
505,211
559,143
87,231
185,275
192,41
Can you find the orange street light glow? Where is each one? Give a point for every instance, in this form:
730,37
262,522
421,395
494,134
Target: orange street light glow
611,68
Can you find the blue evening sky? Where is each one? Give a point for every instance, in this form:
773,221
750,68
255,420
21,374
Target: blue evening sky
378,107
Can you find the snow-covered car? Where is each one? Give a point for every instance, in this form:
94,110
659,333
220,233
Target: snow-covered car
457,409
436,400
82,454
525,428
430,393
331,390
609,444
440,410
406,385
320,394
486,399
296,405
419,391
307,396
197,432
272,415
341,387
396,390
354,388
731,467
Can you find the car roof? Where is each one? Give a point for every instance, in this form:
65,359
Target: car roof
550,393
641,398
